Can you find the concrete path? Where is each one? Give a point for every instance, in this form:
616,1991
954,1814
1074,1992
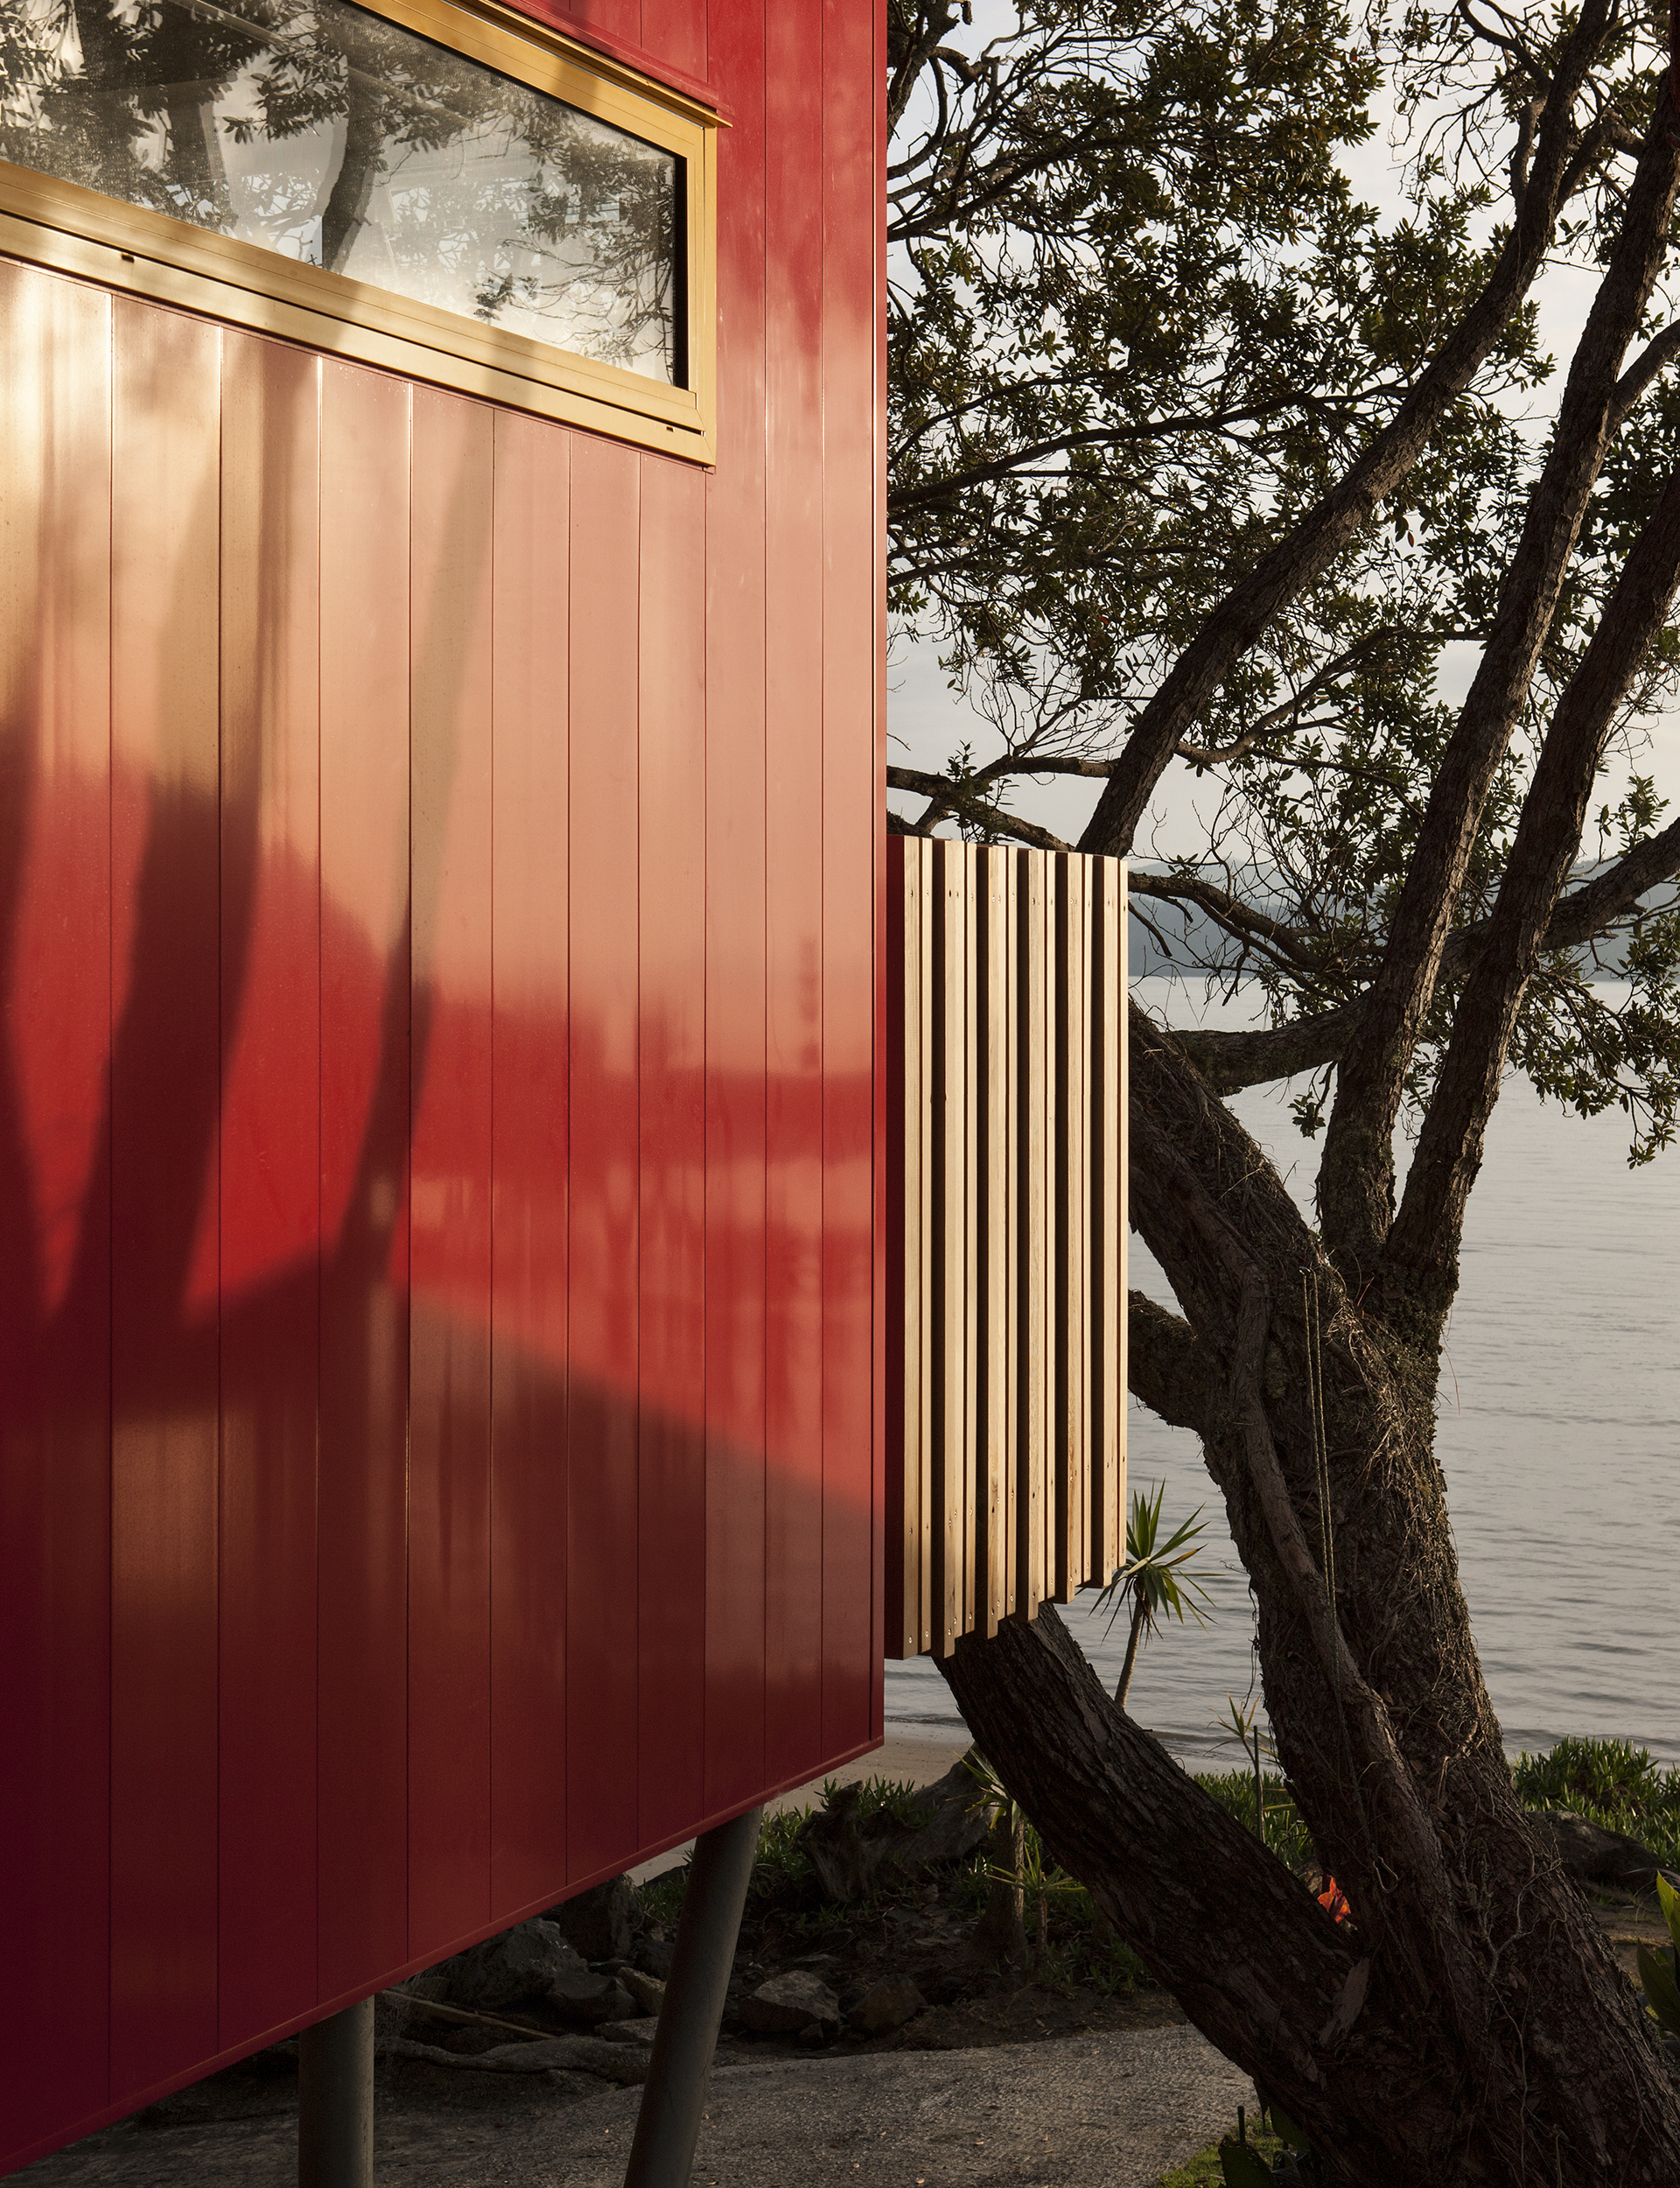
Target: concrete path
1108,2111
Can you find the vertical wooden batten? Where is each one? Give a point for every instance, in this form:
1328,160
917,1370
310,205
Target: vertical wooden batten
1008,1249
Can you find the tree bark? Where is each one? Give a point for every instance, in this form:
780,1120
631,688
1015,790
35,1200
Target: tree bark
1472,2026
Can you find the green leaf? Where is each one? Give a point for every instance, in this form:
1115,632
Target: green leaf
1662,1994
1243,2169
1285,2130
1670,1900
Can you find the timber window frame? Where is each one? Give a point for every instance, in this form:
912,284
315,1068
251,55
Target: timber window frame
72,229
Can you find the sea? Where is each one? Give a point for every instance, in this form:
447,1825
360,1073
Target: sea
1559,1433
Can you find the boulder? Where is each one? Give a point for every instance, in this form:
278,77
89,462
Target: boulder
647,1991
856,1859
654,1956
580,1995
1590,1854
560,2054
888,2006
601,1924
786,2005
515,1969
641,2031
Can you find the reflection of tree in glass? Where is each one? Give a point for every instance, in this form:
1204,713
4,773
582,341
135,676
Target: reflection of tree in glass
394,159
120,98
600,224
541,211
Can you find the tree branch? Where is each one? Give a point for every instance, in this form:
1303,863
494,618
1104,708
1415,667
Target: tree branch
1356,1173
1420,1262
1229,1061
1314,543
1295,944
1164,1366
1660,350
953,797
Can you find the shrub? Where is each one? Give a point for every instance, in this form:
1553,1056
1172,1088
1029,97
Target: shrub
1611,1783
1286,1834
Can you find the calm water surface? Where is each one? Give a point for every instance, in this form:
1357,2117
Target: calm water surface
1559,1433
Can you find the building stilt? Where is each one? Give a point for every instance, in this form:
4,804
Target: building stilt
335,2100
667,2126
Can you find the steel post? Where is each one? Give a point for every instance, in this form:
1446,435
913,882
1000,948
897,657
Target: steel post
335,2100
668,2125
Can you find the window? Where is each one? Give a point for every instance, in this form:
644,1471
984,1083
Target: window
450,190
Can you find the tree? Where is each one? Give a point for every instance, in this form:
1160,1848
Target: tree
1180,479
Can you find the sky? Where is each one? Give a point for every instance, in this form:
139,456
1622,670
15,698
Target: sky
926,722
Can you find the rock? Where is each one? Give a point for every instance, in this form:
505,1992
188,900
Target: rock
520,1966
1590,1854
641,2031
647,1991
563,2054
856,1860
888,2006
788,2004
654,1955
601,1924
581,1995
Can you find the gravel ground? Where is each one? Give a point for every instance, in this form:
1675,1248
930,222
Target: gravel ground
1110,2109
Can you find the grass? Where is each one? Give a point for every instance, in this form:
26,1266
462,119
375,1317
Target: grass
1286,1834
1611,1783
1204,2170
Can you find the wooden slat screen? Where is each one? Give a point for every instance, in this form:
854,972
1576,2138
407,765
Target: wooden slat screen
1007,1261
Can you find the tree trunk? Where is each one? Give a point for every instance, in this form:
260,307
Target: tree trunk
1471,2026
1124,1687
999,1936
1385,2084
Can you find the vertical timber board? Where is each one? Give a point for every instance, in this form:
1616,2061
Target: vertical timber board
1083,1235
907,1366
1108,1301
949,1422
971,1366
992,1350
1032,1240
927,1368
1061,1185
1014,1154
1122,1208
1071,1442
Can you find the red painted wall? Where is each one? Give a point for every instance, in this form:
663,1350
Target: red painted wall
440,1271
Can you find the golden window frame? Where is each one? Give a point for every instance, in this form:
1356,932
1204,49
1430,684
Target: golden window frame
74,230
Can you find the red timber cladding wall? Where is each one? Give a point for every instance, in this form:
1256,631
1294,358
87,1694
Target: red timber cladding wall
440,1286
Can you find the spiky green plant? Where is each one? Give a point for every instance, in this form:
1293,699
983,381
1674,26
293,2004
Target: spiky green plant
1152,1584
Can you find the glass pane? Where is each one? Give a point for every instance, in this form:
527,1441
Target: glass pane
336,138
